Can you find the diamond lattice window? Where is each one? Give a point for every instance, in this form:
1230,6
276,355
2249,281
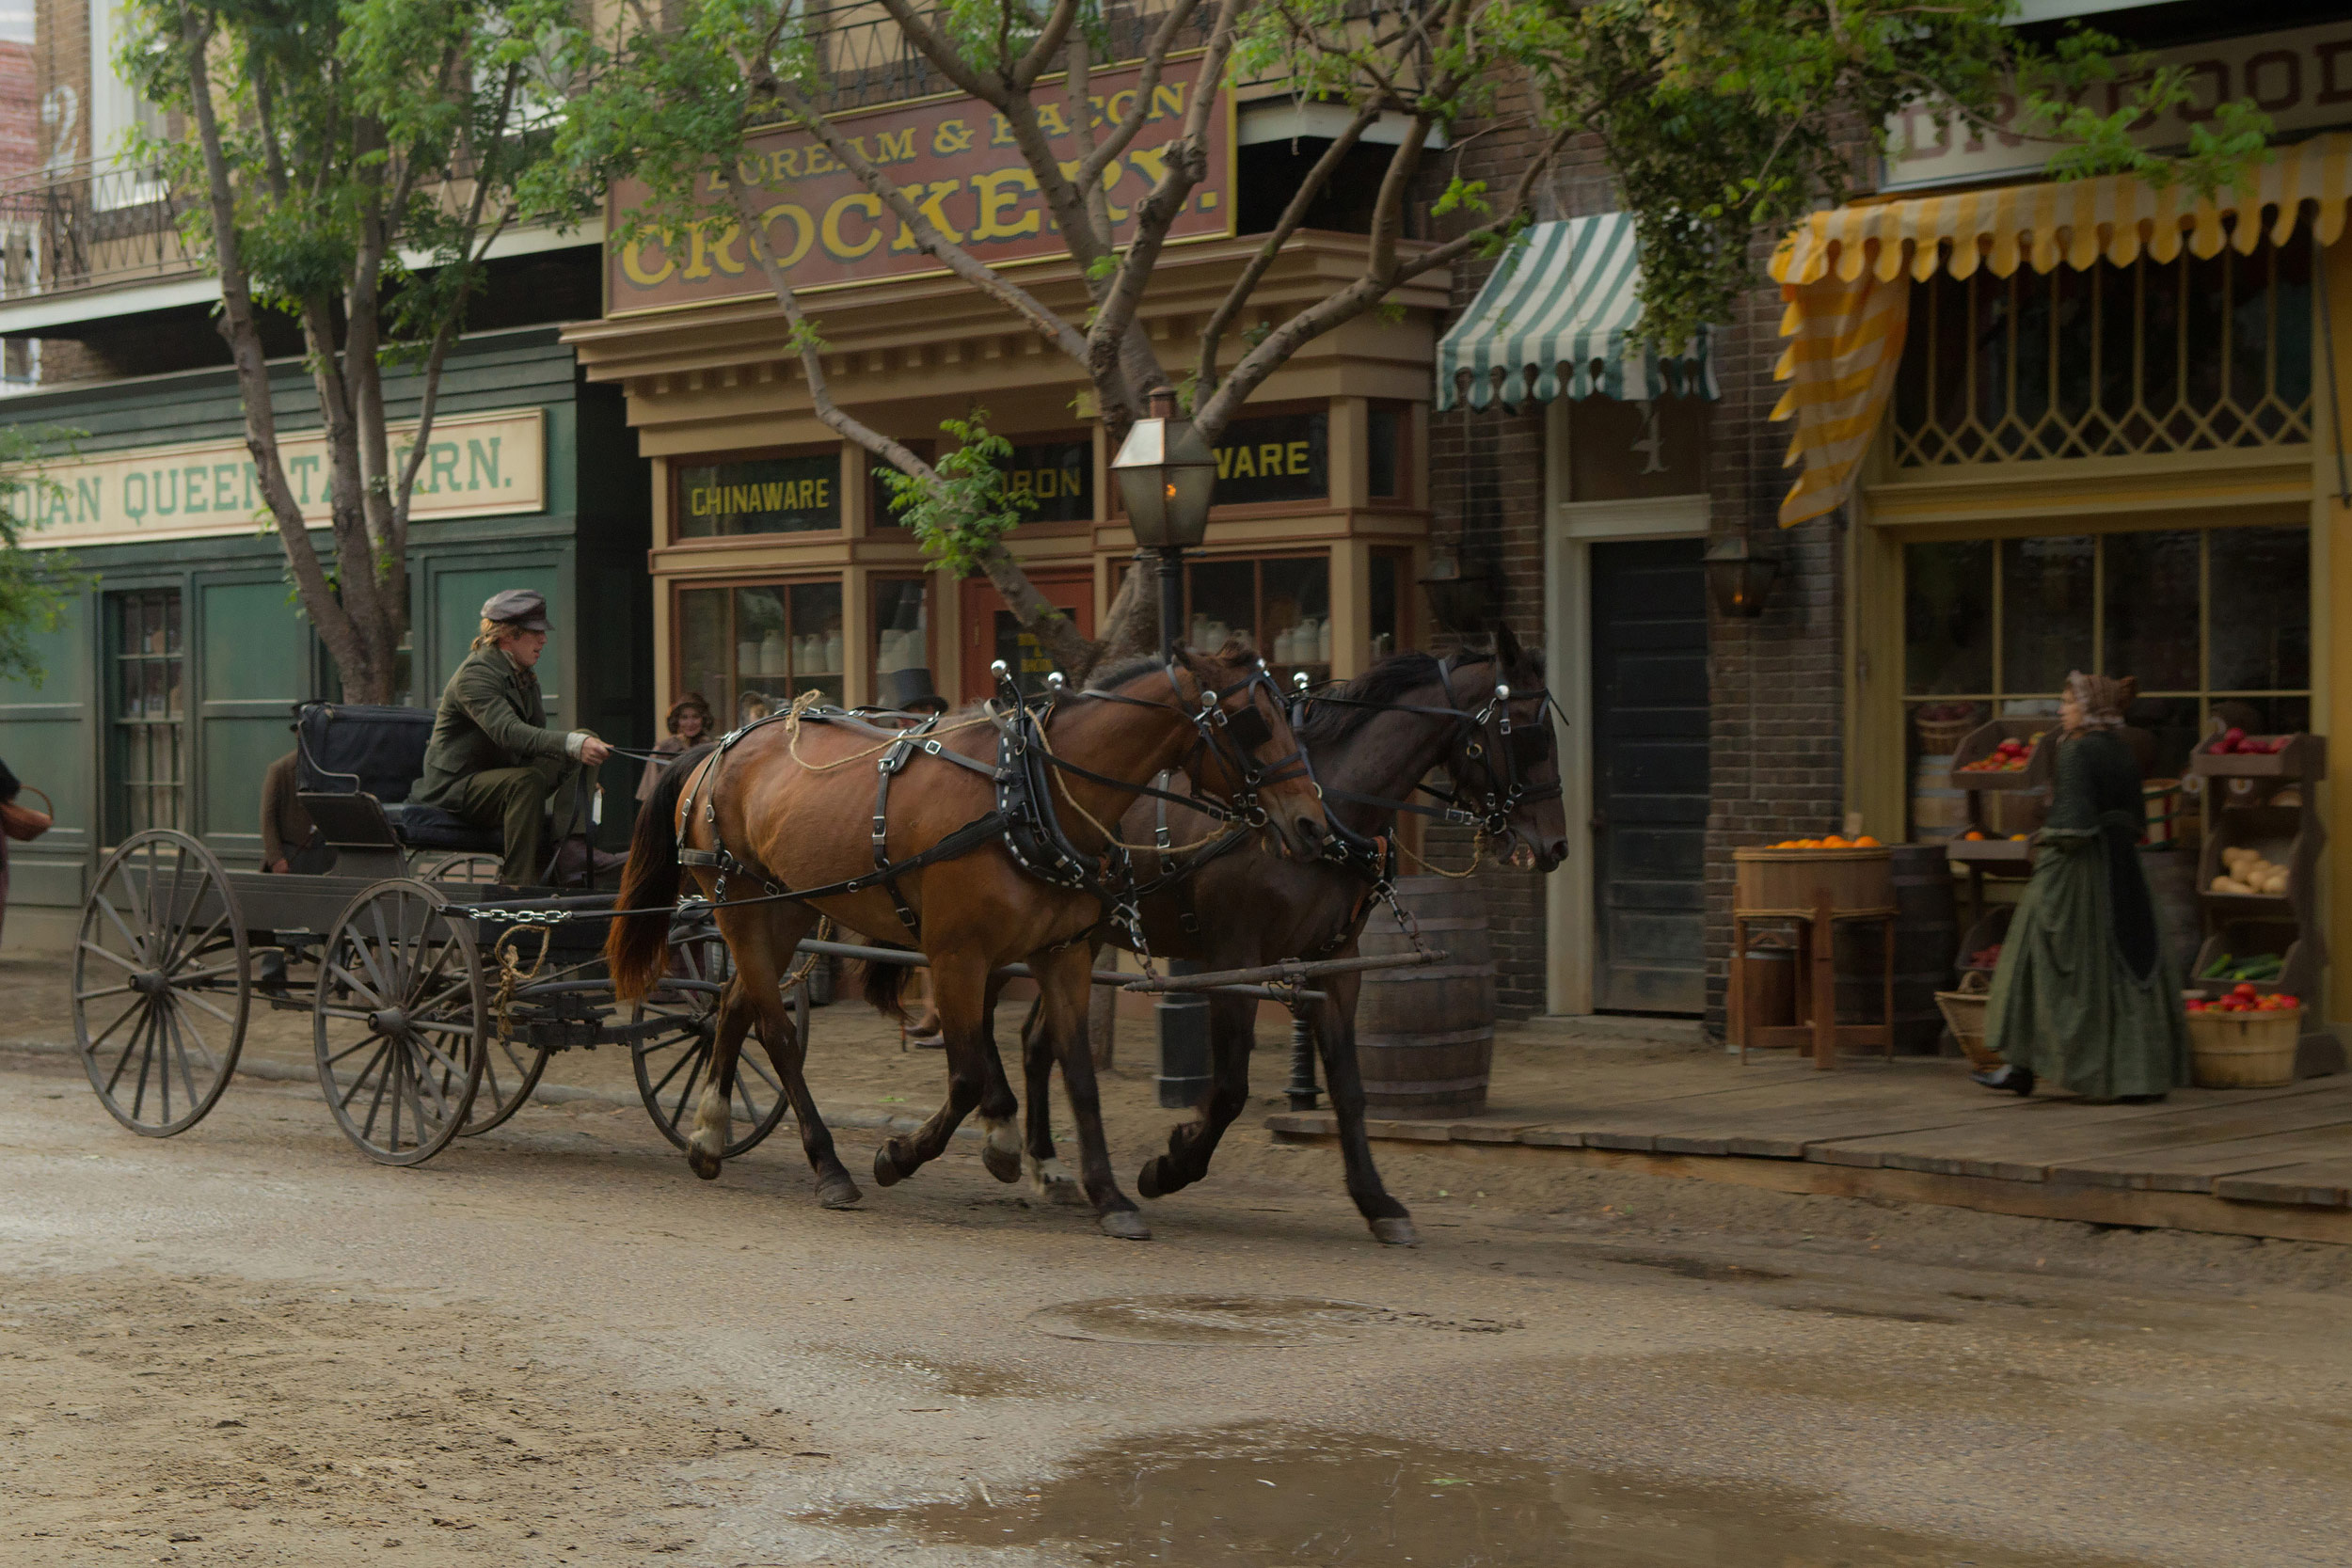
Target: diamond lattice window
2186,356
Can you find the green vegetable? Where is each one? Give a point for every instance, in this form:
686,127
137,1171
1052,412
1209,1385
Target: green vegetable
2266,967
2217,969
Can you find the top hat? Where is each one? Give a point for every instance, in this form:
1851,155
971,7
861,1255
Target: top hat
908,690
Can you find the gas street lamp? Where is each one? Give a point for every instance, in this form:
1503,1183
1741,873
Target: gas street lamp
1166,475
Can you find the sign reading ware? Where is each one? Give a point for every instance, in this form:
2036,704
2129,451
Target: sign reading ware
954,160
2301,79
476,466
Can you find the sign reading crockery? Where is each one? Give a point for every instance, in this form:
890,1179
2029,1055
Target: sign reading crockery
955,162
475,466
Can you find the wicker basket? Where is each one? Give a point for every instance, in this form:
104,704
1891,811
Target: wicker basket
2243,1051
1943,736
1784,881
1964,1010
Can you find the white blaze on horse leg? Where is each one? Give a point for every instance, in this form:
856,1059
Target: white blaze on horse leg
1049,1178
713,1125
1001,1138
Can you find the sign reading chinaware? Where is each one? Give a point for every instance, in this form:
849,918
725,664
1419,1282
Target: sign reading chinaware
761,495
955,160
2302,79
475,466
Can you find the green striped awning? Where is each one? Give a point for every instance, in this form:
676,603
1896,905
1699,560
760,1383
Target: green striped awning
1555,317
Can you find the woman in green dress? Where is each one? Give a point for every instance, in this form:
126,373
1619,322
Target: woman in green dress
2083,997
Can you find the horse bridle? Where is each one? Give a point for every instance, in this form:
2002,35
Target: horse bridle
1232,738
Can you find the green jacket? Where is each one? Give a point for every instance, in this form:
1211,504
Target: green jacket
490,716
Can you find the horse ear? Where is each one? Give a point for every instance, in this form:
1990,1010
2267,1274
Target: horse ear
1507,650
1236,651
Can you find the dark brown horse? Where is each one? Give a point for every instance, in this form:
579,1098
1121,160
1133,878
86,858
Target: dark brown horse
791,806
1376,737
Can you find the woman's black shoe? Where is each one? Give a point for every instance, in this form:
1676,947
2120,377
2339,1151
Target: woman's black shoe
2018,1080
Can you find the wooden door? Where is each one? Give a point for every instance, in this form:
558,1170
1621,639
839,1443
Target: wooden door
991,632
1649,776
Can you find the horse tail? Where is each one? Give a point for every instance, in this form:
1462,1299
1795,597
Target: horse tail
637,951
885,987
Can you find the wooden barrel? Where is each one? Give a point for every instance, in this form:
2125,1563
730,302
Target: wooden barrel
1938,811
2180,914
1425,1035
1927,932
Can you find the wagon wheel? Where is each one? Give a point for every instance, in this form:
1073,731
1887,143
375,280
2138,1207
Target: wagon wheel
161,984
470,866
671,1063
401,1022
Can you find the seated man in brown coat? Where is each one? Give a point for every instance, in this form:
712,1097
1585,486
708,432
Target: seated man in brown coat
494,762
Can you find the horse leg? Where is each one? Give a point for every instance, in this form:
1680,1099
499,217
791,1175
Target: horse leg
1000,1151
959,989
1335,1036
706,1144
789,1053
1049,1178
1232,1035
1063,979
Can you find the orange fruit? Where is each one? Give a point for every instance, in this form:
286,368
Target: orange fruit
1865,842
1973,836
1835,841
2017,838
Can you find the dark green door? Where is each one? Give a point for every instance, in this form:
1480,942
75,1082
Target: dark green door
254,666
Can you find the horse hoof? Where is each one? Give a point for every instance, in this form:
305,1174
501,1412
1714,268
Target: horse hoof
1148,1179
704,1166
886,1169
838,1192
1395,1230
1126,1225
1003,1163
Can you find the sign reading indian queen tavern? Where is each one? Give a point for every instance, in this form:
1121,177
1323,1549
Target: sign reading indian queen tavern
954,160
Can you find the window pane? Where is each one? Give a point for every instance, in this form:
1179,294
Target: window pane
2152,608
705,664
2172,721
2045,611
901,626
1947,617
1387,576
763,651
817,661
1223,602
1385,430
1297,629
2261,618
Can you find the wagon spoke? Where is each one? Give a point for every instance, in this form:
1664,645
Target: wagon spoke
675,1068
424,1081
101,1036
360,1082
434,1051
431,972
368,954
152,920
442,1027
112,957
130,1043
102,991
351,980
698,1058
179,1054
146,1061
357,1014
182,950
195,1001
203,1045
411,1077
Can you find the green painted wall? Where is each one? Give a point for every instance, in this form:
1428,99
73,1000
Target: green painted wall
249,649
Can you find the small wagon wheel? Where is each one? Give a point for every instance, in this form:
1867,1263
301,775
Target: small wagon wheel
467,866
672,1062
400,1023
161,983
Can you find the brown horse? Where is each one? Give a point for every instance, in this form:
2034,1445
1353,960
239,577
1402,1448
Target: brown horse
791,805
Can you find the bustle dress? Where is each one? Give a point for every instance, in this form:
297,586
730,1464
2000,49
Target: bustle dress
2083,995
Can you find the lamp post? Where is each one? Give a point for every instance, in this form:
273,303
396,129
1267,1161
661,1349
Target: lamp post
1166,475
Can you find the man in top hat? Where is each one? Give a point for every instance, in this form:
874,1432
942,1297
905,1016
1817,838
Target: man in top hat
494,762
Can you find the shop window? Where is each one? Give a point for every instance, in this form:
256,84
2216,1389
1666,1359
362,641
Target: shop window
759,495
902,625
1275,457
1385,426
1281,606
2213,623
1058,476
2184,356
146,750
1388,573
751,650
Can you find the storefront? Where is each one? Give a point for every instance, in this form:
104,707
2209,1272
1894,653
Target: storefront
169,685
2091,427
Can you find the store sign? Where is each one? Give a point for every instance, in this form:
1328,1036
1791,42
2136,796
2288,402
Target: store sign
475,466
955,160
1277,457
763,495
2301,79
1059,475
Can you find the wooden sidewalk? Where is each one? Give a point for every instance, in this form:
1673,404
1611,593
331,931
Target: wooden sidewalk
2246,1162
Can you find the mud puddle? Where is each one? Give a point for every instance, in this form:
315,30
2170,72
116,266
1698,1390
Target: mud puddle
1243,1498
1229,1320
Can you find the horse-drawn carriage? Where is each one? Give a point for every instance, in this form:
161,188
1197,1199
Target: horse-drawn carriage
434,1011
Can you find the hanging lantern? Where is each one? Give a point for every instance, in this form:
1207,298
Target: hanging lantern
1738,578
1166,474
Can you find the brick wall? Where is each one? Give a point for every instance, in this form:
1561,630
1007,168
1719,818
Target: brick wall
1776,683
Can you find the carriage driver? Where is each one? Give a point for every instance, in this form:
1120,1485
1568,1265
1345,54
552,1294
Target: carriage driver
494,762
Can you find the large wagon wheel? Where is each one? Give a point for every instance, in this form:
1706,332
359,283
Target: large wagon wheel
470,866
161,984
401,1022
674,1061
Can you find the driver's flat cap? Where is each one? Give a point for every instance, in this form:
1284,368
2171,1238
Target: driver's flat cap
526,608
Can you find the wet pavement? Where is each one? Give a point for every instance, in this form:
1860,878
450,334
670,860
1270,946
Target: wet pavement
246,1345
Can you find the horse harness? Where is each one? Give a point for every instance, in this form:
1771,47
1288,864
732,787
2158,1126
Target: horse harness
1023,817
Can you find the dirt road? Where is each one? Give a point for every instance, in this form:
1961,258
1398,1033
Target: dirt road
247,1345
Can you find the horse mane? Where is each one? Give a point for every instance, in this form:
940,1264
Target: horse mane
1110,677
1385,682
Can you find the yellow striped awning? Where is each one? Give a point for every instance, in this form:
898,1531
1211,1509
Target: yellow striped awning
1845,275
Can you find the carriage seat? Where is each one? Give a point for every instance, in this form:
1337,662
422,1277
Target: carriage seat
357,764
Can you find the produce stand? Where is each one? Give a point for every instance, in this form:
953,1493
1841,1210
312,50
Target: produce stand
1812,890
2261,801
2001,802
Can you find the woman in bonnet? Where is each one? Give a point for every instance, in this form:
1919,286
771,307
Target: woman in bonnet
2083,997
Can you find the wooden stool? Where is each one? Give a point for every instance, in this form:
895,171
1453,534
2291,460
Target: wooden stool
1817,984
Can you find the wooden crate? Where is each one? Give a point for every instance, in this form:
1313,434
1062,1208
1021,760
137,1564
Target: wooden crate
1786,881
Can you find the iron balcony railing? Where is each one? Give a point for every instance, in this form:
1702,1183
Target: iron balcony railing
89,225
